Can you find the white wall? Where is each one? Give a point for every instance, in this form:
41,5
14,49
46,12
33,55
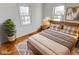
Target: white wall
72,5
48,9
11,11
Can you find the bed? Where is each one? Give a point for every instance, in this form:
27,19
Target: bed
52,42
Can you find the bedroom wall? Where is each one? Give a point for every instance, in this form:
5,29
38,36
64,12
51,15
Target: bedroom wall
47,8
72,5
11,11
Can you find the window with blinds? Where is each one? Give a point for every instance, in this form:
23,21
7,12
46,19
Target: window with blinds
58,12
24,15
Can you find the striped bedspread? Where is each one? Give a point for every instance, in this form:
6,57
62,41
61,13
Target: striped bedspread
51,42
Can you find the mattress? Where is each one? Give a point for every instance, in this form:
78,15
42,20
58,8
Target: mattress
51,42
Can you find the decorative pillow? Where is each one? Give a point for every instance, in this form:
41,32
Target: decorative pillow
70,30
55,27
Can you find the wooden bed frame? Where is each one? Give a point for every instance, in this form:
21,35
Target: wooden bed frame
69,23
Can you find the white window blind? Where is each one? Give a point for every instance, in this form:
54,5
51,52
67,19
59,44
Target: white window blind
58,13
24,15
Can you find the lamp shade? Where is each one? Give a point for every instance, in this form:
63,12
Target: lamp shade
46,23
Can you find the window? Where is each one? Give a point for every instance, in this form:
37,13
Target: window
24,14
58,13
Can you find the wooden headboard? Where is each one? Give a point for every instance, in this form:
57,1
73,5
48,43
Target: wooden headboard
69,23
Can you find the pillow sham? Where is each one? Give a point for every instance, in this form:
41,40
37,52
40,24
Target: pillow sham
55,27
70,30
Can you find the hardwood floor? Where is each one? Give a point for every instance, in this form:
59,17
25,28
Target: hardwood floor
9,48
75,51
